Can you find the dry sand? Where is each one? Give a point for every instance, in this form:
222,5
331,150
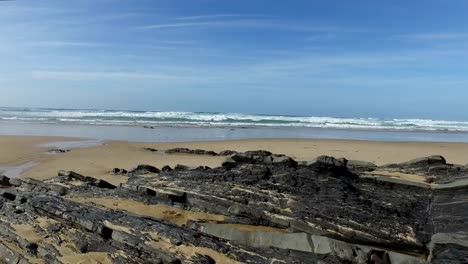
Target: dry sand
98,161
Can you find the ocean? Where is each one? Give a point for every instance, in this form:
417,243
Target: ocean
177,126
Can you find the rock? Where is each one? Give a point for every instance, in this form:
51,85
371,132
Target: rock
203,259
59,150
180,167
90,180
256,208
361,165
166,168
236,209
284,161
227,153
229,162
177,150
327,160
15,182
150,149
117,171
425,162
258,153
190,151
144,169
4,181
72,174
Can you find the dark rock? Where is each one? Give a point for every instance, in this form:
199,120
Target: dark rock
361,165
284,161
150,149
58,150
229,162
180,167
4,181
203,259
327,160
90,180
258,153
330,208
15,182
227,153
424,162
191,151
166,168
117,171
178,150
144,169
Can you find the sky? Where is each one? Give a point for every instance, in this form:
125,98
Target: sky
360,58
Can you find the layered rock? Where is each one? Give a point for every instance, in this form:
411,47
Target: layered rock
257,207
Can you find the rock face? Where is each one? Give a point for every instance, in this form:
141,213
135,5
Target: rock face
258,207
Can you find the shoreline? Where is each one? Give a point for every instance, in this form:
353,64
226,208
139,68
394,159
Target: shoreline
189,134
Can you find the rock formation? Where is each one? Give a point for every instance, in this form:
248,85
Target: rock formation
257,207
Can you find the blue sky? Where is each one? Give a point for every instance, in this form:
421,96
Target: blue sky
323,58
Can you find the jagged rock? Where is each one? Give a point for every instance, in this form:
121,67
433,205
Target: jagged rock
90,180
333,211
443,249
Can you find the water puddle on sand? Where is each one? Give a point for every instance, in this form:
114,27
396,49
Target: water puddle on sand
72,144
15,171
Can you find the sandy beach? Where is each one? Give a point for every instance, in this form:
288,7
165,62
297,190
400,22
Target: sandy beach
98,161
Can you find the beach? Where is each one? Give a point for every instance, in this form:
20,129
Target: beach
100,159
113,191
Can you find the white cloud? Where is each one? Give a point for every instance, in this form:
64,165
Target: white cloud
83,76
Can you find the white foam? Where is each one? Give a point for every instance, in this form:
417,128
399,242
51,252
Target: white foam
99,117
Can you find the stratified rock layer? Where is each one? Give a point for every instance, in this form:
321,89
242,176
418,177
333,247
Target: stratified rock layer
258,207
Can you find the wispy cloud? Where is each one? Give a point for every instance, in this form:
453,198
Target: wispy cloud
265,24
67,44
220,16
232,23
83,76
435,36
